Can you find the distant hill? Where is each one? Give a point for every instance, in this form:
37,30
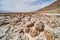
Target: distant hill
54,7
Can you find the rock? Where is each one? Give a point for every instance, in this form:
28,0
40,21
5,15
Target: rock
4,31
29,27
39,25
3,37
25,37
17,30
50,35
29,24
26,19
14,21
4,20
42,36
33,32
26,30
53,24
7,19
34,19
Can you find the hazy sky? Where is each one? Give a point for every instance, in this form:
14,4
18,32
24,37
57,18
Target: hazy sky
23,5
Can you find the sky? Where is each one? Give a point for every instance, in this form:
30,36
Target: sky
23,5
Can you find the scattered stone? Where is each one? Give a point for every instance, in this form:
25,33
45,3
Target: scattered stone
26,30
29,24
4,20
26,19
50,35
34,27
33,32
53,24
3,31
7,19
39,25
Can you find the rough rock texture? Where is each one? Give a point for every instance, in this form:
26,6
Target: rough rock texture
29,27
37,25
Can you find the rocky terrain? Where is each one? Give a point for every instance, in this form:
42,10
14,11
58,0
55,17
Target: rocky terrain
29,27
39,25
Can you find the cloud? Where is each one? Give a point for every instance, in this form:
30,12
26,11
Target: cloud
23,5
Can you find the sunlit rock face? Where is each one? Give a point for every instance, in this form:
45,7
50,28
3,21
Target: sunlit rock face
23,5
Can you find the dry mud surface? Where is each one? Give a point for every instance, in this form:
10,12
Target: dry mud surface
29,27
